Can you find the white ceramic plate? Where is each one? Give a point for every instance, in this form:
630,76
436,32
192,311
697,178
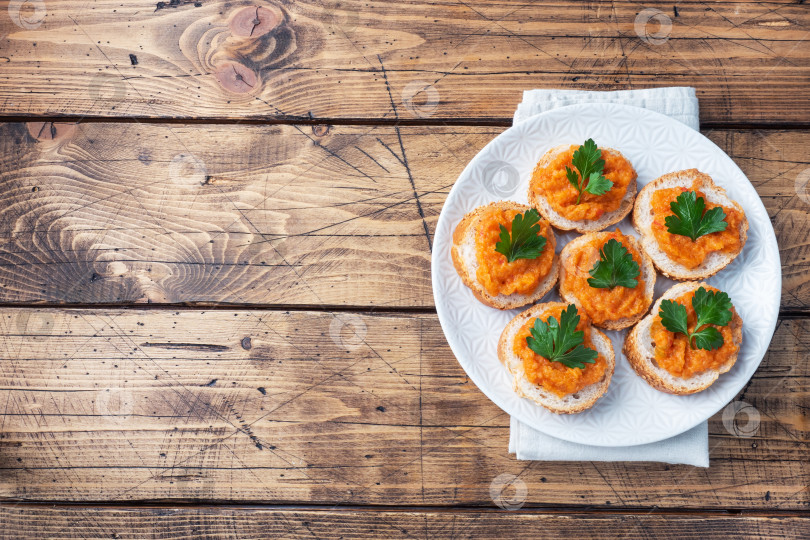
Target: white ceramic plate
631,412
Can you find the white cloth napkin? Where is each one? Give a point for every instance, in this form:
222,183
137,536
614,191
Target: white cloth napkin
691,447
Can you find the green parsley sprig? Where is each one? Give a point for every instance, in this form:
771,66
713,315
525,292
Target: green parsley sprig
525,242
615,267
588,161
560,342
711,308
691,217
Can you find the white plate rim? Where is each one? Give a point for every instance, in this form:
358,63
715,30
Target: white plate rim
769,239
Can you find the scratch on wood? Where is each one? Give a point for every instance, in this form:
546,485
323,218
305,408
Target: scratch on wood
404,159
413,187
372,159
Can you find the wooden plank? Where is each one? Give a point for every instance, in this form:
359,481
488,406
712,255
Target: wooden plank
124,405
390,60
25,521
272,214
304,215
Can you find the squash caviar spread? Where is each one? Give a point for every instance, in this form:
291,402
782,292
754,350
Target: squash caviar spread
495,273
551,182
682,249
673,353
606,304
556,377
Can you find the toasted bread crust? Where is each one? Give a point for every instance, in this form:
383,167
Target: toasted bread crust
589,394
464,267
662,262
647,274
557,220
640,358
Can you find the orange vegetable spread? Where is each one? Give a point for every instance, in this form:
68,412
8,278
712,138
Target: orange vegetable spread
552,183
555,376
603,304
683,249
495,273
674,354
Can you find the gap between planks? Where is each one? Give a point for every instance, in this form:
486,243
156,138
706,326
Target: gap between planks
564,510
324,308
381,122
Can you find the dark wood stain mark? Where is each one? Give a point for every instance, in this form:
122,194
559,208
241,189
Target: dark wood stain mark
187,346
174,4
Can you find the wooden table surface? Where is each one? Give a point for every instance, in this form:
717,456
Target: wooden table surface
216,221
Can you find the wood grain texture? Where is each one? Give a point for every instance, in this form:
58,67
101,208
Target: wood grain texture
306,407
279,214
304,215
246,523
395,60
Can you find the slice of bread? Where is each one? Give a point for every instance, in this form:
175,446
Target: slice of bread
647,275
565,224
640,350
573,403
466,262
643,220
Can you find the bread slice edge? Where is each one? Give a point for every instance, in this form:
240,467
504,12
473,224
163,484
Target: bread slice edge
648,274
466,263
640,353
642,222
559,221
571,404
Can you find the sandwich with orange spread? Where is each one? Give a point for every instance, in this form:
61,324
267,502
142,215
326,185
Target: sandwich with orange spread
691,337
505,254
556,358
583,188
689,226
609,277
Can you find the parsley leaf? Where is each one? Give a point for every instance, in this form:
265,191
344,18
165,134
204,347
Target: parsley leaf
673,317
691,220
598,184
588,161
560,342
709,338
526,242
615,267
710,307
